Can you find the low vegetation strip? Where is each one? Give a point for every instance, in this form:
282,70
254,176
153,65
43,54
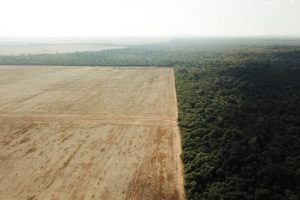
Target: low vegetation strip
205,51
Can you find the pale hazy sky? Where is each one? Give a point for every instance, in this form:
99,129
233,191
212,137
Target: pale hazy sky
95,18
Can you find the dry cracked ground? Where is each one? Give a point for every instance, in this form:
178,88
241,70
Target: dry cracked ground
89,133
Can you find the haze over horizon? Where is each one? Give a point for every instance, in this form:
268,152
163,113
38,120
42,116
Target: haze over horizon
116,18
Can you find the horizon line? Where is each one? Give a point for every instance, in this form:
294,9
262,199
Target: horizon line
149,37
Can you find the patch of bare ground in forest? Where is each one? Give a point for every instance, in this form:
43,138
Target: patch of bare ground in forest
89,133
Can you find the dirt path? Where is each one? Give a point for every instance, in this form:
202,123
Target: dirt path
89,133
177,139
74,118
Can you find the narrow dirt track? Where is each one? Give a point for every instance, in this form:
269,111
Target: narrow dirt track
74,118
89,133
177,142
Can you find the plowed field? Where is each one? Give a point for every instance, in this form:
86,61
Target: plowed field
89,133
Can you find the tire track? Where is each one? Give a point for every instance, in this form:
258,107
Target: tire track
74,118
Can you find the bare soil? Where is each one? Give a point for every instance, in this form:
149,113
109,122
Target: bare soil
89,133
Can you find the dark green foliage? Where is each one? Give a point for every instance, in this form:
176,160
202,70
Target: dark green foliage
240,129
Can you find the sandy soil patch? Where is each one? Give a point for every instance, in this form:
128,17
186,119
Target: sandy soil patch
89,133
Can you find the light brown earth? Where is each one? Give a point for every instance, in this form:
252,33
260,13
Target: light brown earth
89,133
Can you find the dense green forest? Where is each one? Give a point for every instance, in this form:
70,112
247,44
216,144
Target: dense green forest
239,110
240,131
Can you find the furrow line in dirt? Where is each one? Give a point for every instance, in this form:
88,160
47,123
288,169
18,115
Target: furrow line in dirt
74,118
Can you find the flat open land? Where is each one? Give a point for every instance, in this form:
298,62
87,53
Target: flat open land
17,46
89,133
52,49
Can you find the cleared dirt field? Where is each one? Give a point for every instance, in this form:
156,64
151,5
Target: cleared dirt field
89,133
